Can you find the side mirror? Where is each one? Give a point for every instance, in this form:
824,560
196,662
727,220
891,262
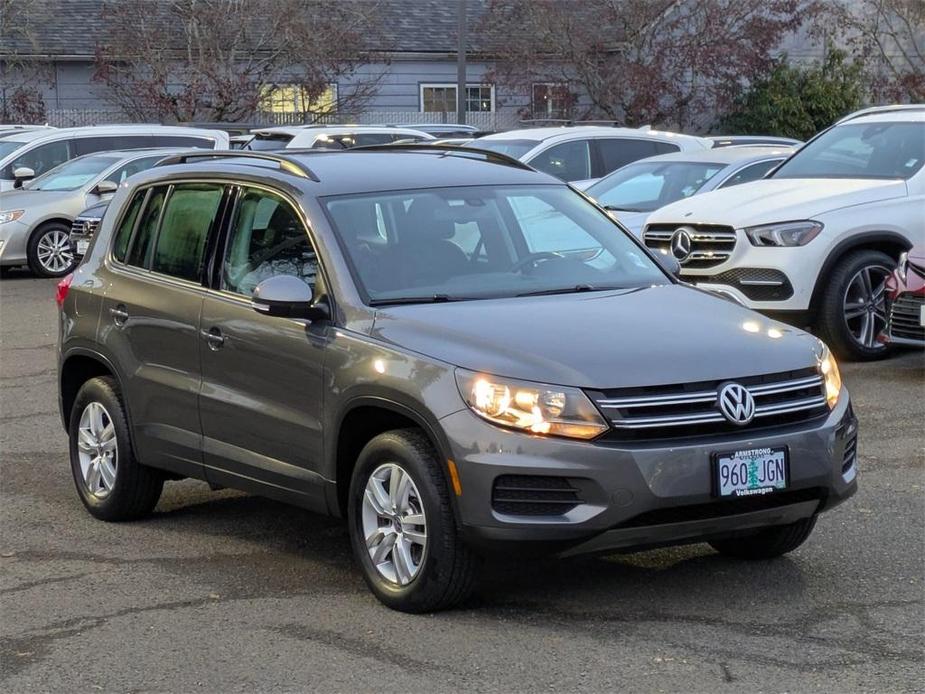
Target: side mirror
286,296
105,188
669,264
21,175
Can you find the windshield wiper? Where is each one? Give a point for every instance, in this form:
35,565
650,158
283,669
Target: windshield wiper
614,208
432,299
568,290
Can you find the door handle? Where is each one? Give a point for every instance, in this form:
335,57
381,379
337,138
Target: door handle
214,338
119,314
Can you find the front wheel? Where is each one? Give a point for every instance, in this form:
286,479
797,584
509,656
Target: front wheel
853,312
402,528
49,251
767,543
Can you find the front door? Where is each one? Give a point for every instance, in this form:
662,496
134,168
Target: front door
150,318
261,398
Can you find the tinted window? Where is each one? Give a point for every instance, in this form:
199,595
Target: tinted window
262,143
41,159
751,172
483,241
570,161
132,168
124,234
267,239
188,215
860,150
88,145
617,152
512,148
140,252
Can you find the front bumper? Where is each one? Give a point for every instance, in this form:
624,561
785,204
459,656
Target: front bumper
642,494
13,239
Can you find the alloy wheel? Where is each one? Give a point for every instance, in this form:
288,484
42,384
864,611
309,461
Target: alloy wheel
394,525
97,450
864,305
54,251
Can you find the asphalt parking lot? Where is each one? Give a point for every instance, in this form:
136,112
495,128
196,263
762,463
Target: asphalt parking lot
220,591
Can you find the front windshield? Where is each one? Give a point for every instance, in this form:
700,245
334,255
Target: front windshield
646,186
860,150
512,148
9,146
479,242
72,174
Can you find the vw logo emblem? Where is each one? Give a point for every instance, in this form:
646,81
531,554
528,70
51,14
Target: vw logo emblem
736,403
681,244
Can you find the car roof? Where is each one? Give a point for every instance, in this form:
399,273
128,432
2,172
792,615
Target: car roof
899,112
722,155
580,131
63,133
362,170
896,116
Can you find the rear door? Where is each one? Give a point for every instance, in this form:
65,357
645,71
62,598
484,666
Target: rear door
262,387
150,317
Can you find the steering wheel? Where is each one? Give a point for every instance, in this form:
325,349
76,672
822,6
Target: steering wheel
532,259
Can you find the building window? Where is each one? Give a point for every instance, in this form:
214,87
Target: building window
291,98
551,100
442,97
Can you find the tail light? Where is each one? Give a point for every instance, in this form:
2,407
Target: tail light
64,286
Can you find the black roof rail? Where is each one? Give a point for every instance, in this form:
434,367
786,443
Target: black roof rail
496,157
286,163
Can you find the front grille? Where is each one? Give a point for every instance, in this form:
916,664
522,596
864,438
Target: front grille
711,244
533,495
690,409
85,227
723,507
905,313
758,284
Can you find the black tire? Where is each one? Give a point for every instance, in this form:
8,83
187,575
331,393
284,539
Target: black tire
448,567
137,488
831,323
32,250
767,543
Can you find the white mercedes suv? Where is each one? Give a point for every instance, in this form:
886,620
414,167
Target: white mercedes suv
813,242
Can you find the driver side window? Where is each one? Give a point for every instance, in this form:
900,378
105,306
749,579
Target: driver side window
267,239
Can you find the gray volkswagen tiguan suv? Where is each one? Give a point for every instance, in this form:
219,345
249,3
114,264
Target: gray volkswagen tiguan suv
456,353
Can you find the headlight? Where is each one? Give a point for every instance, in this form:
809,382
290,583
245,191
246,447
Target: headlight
784,233
531,407
830,375
11,216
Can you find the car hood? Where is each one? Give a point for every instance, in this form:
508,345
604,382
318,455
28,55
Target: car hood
634,221
777,200
649,336
33,201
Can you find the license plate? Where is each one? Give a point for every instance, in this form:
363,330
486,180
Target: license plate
750,472
82,247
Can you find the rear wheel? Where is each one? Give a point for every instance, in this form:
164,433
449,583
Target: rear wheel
853,306
111,483
402,527
767,543
49,251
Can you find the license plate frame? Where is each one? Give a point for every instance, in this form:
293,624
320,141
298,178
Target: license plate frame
81,247
717,457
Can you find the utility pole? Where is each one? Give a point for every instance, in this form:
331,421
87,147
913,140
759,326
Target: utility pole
461,65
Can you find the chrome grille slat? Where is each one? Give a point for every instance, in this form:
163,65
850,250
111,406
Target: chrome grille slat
711,245
798,394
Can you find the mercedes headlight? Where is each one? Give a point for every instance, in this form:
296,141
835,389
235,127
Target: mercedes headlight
531,407
828,368
11,215
784,233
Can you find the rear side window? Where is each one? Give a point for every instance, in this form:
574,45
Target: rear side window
751,173
139,255
620,151
124,234
182,141
570,161
89,145
188,215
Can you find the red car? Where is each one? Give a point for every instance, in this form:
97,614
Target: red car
905,295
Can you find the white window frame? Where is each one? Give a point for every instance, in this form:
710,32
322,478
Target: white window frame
452,85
